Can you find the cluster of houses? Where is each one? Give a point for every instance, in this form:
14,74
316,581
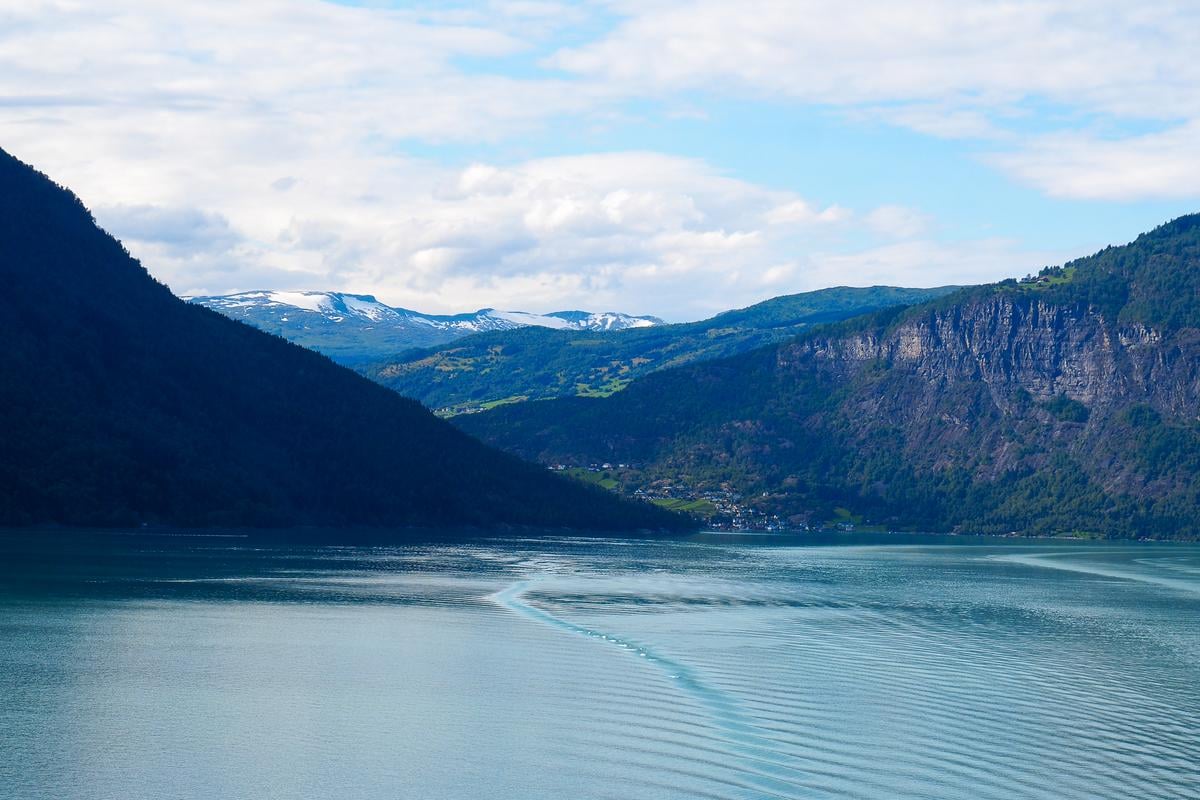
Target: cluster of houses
723,509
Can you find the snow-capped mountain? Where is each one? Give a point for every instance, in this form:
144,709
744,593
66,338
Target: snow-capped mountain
354,328
489,319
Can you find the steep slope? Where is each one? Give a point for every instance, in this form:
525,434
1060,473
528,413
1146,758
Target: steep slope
124,404
530,364
354,329
1065,404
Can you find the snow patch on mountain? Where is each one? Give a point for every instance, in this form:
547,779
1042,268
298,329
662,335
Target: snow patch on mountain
521,319
368,307
319,302
609,321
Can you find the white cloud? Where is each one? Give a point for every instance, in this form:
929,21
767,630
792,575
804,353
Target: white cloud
637,231
183,232
801,212
184,93
1163,164
943,120
1089,52
267,144
928,263
956,69
898,221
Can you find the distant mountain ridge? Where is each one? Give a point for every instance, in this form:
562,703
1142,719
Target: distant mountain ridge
357,328
496,367
1067,403
124,406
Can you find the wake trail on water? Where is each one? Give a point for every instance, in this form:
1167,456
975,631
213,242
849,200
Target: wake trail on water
1060,561
758,760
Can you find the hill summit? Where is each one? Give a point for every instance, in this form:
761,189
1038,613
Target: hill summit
126,405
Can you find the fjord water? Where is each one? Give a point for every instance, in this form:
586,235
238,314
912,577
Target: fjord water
152,667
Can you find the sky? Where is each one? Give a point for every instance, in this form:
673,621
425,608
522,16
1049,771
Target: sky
652,157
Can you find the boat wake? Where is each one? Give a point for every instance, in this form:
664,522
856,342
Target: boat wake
759,764
1063,561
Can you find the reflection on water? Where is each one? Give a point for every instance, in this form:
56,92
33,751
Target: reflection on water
722,667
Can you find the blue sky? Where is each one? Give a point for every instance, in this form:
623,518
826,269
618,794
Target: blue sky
654,157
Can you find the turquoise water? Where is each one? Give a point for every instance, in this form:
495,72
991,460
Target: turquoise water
719,667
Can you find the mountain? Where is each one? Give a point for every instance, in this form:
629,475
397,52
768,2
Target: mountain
124,405
489,369
1061,404
356,328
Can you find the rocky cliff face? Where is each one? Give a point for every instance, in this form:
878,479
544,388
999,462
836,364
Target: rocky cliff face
1012,344
1005,383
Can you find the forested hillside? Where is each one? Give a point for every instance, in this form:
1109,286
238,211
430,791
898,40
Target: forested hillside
125,405
1064,404
496,368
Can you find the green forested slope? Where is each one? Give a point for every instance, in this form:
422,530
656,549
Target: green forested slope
501,367
1065,404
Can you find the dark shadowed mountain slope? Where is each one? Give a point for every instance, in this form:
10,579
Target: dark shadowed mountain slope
124,404
499,367
1066,404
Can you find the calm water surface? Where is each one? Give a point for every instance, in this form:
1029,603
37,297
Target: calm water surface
142,667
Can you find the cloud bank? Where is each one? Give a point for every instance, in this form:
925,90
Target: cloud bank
305,144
